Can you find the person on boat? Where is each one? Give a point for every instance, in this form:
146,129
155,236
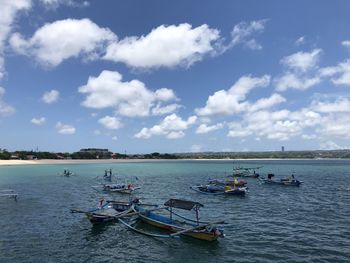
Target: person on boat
101,202
235,181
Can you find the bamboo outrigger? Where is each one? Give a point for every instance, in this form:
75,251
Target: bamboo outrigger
193,228
8,193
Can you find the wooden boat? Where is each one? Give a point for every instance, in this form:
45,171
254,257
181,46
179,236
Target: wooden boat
110,211
239,171
8,193
176,223
219,189
120,188
289,181
228,181
67,173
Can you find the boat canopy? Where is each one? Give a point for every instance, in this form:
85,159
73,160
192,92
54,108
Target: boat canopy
183,204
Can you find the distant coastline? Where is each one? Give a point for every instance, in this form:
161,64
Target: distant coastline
110,161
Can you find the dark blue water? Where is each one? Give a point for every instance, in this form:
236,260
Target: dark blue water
271,224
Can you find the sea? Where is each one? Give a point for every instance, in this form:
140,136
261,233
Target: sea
272,223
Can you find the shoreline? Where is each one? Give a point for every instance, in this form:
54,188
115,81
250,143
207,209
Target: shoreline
106,161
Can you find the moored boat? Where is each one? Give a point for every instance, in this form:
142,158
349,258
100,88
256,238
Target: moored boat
239,171
175,223
219,189
228,181
288,181
8,193
109,211
120,188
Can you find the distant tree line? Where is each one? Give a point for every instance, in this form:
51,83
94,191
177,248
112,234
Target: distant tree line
26,155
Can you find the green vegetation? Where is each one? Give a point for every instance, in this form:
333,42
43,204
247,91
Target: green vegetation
105,154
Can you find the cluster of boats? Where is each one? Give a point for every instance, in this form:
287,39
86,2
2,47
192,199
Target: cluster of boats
110,184
134,213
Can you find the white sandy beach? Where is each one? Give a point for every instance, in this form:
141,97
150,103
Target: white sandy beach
52,161
79,161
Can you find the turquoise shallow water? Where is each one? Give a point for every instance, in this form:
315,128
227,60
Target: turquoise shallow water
271,224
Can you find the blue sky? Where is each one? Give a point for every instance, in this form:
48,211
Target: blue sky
174,76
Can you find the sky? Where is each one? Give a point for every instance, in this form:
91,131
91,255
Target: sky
174,76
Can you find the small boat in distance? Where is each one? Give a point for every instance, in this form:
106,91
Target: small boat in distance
220,189
287,181
239,171
120,188
67,173
175,223
8,193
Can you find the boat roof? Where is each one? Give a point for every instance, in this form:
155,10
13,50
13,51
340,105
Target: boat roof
182,204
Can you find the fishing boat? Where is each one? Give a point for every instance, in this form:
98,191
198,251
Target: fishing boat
219,189
8,193
108,211
228,181
239,171
174,222
120,188
67,173
288,181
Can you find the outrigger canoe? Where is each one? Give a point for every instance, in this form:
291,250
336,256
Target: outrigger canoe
290,181
175,223
246,171
219,189
120,188
110,211
8,193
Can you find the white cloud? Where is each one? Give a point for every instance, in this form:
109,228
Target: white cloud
228,102
243,32
346,44
175,135
300,41
9,10
111,123
340,73
309,136
172,127
265,103
236,130
336,126
302,61
65,128
5,109
295,81
38,121
164,46
330,145
114,138
131,99
71,3
275,125
162,110
63,39
204,128
51,96
341,104
301,71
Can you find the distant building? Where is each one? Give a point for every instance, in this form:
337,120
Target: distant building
282,148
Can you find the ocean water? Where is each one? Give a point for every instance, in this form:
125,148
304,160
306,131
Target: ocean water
271,224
